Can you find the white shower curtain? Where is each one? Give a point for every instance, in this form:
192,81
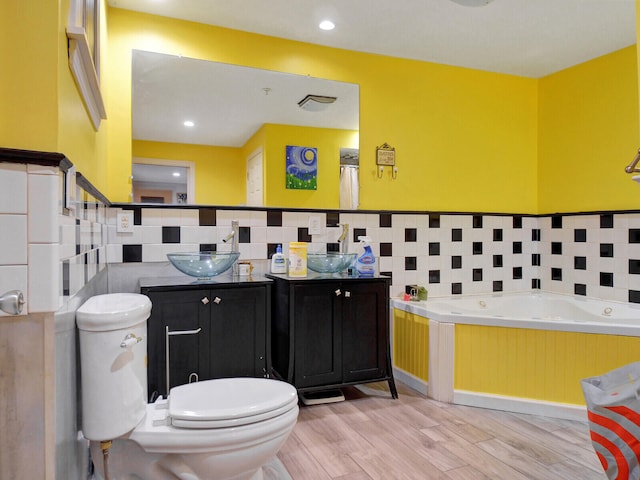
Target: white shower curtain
349,187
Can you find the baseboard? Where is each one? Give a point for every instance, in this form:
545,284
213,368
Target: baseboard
410,380
521,405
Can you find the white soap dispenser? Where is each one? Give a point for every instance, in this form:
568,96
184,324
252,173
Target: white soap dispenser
278,263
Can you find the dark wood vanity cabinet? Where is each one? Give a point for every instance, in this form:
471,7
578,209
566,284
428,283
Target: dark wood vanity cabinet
215,331
330,332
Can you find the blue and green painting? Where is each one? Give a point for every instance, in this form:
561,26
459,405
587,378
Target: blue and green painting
302,168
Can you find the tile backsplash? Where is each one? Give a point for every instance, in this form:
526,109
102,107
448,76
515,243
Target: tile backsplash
597,255
51,252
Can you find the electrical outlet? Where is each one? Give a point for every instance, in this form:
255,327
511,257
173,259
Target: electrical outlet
315,225
124,222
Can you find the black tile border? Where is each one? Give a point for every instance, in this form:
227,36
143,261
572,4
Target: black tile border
517,217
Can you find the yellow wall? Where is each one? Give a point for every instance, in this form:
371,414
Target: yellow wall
588,134
40,108
220,171
536,364
456,131
466,140
638,37
29,52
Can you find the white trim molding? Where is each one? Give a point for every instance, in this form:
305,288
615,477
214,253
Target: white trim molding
84,62
520,405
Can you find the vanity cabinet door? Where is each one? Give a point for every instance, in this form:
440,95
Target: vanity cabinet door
236,332
364,331
317,334
180,311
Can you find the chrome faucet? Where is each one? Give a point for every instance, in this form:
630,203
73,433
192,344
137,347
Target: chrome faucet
234,236
343,239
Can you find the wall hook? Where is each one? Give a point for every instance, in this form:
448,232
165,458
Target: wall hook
631,168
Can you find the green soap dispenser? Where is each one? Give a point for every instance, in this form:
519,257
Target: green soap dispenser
366,263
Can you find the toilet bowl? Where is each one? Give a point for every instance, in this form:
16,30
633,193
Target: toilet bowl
222,429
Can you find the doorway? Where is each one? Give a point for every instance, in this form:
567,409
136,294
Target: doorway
255,194
163,181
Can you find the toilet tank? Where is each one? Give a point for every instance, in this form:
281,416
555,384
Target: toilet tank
113,363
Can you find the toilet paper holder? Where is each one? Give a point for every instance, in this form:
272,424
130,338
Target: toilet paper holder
12,302
167,359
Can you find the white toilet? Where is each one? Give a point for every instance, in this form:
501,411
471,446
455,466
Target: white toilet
215,429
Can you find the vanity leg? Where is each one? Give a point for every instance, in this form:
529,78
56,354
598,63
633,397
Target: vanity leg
392,388
391,381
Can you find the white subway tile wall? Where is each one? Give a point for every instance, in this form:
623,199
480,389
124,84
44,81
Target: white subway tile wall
83,242
593,254
13,227
51,259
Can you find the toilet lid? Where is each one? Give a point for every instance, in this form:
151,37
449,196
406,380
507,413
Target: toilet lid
227,402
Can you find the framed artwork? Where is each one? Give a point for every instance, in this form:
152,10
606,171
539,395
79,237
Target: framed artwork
83,32
301,168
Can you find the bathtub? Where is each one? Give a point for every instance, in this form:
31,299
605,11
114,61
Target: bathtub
541,311
516,352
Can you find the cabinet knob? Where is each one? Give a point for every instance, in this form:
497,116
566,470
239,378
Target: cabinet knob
204,300
217,300
347,294
338,292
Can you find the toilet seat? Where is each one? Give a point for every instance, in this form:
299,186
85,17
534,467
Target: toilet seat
229,402
253,411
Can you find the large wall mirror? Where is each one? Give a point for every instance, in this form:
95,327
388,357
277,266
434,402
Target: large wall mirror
226,105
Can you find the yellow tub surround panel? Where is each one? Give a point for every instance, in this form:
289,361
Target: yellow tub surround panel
411,345
517,352
423,352
537,364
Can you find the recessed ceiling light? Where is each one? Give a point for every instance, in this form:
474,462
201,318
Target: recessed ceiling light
327,25
176,174
188,123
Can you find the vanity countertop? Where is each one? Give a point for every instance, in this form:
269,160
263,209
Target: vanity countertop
181,281
311,275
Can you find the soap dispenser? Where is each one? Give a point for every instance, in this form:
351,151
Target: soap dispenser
366,263
278,264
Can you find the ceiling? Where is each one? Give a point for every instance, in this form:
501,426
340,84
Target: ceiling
227,103
529,38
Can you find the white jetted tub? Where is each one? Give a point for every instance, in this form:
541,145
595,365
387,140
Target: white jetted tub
519,352
544,311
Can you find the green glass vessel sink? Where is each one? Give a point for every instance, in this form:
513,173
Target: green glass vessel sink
330,262
203,265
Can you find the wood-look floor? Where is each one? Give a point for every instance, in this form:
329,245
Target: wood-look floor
371,436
